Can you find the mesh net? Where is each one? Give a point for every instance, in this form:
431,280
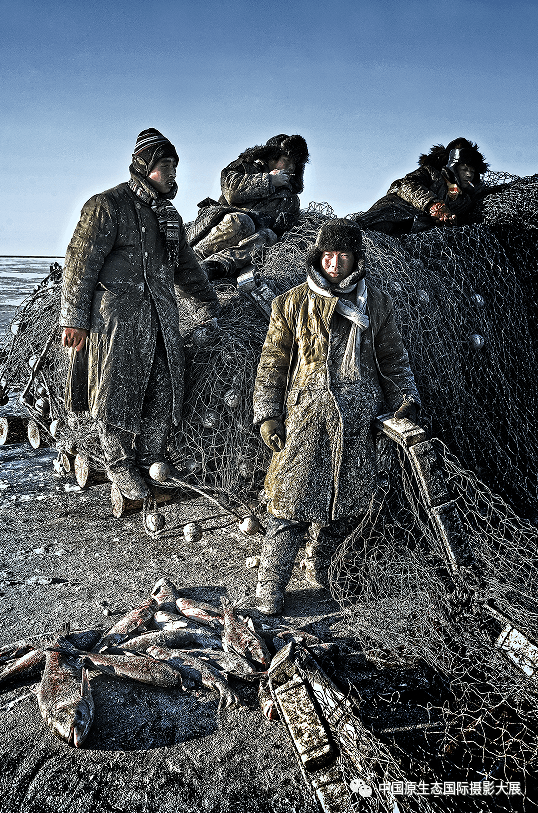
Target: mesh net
465,302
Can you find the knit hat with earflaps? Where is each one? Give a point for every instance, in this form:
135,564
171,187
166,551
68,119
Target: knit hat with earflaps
336,235
150,147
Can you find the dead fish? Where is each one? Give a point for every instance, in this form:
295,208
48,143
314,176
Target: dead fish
134,667
23,645
229,662
65,699
314,644
131,622
26,664
201,612
165,593
238,637
165,620
208,675
179,638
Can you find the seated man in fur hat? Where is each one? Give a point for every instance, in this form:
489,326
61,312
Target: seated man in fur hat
442,192
259,202
126,263
332,361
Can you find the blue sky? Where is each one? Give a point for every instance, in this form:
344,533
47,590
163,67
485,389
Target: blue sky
370,85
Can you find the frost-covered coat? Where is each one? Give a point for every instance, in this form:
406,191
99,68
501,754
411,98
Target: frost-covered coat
119,285
247,186
327,468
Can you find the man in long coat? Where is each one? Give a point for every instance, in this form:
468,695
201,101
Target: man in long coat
259,202
333,359
127,261
441,192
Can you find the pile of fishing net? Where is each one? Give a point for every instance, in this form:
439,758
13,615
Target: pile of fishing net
466,304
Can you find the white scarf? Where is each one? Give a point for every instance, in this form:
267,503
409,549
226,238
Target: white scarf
355,313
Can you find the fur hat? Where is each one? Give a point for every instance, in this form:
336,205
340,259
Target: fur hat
294,146
150,147
336,235
469,154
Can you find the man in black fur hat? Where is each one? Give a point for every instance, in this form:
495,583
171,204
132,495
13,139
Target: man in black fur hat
259,202
442,192
333,359
127,261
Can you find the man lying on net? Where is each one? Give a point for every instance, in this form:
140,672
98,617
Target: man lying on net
259,202
332,361
441,192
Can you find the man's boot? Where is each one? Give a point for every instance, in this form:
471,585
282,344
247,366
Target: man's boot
319,550
279,550
118,451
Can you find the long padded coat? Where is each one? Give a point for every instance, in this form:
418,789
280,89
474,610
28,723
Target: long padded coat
327,468
119,285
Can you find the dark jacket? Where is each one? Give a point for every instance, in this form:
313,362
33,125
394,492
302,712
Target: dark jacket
327,468
409,198
119,285
247,186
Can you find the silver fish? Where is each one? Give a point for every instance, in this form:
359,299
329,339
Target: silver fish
178,638
165,593
25,664
201,671
128,624
135,667
238,637
164,620
201,612
65,699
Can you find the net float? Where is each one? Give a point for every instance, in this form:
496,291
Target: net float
232,398
192,532
210,419
476,341
154,522
249,525
159,471
54,428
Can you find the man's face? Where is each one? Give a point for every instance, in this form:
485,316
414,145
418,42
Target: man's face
337,265
466,174
163,175
284,162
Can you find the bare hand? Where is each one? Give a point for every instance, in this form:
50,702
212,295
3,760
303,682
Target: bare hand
74,337
279,178
443,214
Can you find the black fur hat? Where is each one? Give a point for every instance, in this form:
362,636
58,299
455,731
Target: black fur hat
469,154
336,235
294,146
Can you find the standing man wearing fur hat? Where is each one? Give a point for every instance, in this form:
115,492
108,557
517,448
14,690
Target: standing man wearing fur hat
126,262
259,202
333,359
442,192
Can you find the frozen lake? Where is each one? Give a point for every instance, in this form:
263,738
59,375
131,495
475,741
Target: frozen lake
18,278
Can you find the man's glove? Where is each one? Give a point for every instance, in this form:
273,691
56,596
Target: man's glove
442,213
407,410
273,434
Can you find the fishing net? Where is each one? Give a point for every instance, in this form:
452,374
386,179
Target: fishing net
465,301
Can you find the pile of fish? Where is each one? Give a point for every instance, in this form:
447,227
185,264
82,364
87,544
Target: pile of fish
168,641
